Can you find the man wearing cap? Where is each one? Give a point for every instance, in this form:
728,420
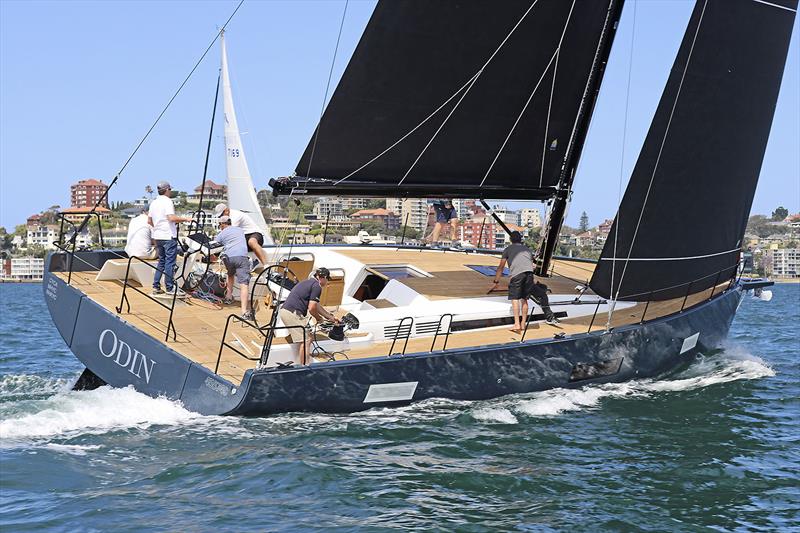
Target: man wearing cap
236,262
252,233
161,216
521,285
303,300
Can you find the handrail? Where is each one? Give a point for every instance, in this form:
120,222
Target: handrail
73,240
262,330
397,334
437,333
171,308
688,285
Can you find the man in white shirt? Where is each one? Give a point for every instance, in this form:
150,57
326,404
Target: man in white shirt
164,221
140,238
240,219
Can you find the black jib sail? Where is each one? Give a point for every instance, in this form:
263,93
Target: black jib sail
680,225
459,98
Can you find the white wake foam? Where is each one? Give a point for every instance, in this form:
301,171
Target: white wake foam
495,415
734,365
72,413
25,384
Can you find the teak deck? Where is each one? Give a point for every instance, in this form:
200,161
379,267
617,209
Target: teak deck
199,325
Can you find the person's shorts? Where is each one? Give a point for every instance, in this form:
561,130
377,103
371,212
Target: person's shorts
290,318
258,236
520,286
444,214
239,267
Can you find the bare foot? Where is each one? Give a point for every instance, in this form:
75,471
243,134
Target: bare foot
514,330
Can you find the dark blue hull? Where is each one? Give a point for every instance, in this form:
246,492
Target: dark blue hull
121,355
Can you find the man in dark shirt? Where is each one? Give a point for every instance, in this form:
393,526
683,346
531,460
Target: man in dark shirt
445,214
521,285
302,301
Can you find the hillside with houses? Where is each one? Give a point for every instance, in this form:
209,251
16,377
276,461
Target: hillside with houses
772,241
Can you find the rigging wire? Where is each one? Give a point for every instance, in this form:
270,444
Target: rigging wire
533,93
549,109
197,64
158,119
613,302
660,151
327,88
467,85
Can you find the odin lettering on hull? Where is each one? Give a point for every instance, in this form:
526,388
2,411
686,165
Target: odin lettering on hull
122,354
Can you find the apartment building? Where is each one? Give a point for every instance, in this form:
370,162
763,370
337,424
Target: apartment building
786,262
413,210
86,193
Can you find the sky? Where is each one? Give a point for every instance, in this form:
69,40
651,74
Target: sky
81,83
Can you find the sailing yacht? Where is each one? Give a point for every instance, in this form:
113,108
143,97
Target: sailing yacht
459,100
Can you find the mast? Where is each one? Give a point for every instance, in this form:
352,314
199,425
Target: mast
241,191
563,192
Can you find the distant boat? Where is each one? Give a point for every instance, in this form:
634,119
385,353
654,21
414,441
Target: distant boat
471,99
363,237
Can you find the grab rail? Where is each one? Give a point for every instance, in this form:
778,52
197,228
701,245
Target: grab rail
439,327
689,284
73,240
262,330
397,334
171,308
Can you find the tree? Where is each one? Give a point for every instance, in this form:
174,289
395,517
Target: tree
780,213
377,203
373,226
761,226
37,251
584,224
534,236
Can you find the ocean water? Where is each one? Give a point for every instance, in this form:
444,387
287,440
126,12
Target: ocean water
715,446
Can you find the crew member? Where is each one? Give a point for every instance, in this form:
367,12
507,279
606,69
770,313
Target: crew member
521,285
236,263
164,221
445,214
140,238
302,301
252,233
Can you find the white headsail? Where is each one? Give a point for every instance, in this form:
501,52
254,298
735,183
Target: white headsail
241,192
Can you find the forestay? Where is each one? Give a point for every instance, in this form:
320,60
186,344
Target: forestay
681,222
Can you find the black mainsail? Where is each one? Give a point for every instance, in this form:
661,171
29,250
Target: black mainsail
460,99
680,225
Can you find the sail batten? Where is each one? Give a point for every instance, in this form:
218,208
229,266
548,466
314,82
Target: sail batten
443,96
692,187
